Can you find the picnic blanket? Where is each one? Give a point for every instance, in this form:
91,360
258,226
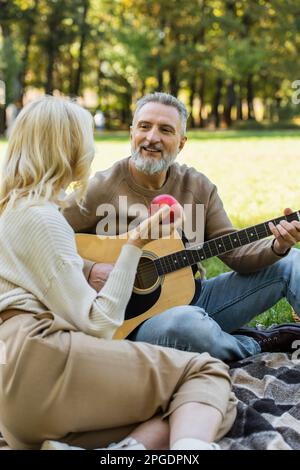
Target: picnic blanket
268,390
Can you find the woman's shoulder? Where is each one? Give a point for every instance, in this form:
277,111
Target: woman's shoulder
44,209
42,217
49,215
41,212
39,233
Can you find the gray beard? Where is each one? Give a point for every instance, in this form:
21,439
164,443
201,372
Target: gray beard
151,166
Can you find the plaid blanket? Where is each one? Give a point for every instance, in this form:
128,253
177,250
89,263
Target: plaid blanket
268,390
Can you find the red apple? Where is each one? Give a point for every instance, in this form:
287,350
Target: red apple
166,200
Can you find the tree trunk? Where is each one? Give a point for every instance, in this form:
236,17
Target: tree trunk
5,14
54,22
201,97
240,116
2,120
250,96
100,76
126,108
160,72
278,105
173,80
23,70
143,87
69,60
230,102
201,40
6,35
83,34
191,101
216,102
27,40
50,67
160,82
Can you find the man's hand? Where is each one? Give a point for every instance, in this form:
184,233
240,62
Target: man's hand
99,274
286,234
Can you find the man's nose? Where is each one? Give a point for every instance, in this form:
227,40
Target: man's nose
153,135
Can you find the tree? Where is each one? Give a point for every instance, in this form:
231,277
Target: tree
215,55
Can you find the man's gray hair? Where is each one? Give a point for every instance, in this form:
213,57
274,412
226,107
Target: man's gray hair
168,100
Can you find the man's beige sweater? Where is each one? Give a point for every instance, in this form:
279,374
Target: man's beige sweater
188,186
41,271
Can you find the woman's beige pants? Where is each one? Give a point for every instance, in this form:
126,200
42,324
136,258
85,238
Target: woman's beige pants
59,383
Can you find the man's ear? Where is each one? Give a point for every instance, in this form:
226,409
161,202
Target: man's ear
130,132
182,142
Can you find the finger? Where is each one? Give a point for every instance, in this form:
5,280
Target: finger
274,230
287,211
150,227
179,219
289,227
155,218
134,234
160,215
296,225
160,225
179,213
178,222
286,235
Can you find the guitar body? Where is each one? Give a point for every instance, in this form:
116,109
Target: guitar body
152,294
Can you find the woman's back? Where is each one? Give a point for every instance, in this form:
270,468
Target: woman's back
34,240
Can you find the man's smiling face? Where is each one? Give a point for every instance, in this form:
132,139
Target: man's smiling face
156,137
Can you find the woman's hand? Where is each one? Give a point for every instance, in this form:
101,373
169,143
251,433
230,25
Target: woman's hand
155,227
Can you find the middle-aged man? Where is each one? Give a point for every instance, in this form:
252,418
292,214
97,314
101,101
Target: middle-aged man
264,271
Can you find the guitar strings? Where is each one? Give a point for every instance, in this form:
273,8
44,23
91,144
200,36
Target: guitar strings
144,272
149,265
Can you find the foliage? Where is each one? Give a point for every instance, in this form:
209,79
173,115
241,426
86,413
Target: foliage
216,55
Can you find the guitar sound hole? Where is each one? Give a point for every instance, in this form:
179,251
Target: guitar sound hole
146,275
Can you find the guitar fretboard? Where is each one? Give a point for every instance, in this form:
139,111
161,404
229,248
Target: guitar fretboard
218,246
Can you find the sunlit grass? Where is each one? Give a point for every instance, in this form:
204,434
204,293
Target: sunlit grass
257,174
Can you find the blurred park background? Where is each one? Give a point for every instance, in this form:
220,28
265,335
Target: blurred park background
235,65
232,62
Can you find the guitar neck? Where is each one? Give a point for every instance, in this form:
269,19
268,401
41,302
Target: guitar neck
218,246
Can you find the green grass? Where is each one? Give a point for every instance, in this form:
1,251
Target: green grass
257,174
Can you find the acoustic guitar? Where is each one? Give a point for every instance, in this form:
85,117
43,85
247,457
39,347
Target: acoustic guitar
164,276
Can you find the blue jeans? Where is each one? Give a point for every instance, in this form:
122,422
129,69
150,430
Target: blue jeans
226,302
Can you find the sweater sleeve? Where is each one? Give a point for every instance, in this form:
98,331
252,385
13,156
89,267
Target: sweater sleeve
97,314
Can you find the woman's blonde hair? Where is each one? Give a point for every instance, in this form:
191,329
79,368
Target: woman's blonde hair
50,145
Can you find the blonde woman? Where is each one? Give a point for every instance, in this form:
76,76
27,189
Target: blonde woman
64,378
